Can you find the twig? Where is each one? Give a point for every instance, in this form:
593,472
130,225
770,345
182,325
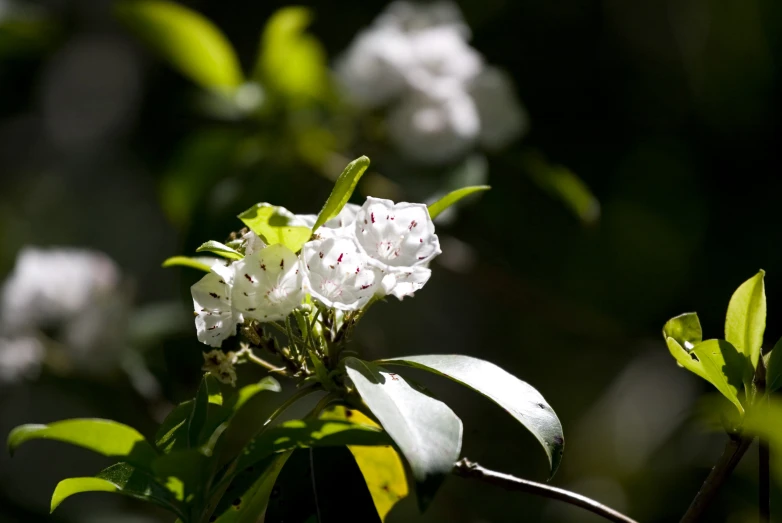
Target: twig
734,451
468,469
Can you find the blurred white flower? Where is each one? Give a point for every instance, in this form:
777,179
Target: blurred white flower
444,101
51,286
20,358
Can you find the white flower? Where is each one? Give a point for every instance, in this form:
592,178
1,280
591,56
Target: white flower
52,286
252,243
20,358
267,284
215,318
404,281
411,17
337,273
502,116
441,54
396,234
372,69
435,128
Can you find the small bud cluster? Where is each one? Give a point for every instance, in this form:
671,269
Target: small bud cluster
364,253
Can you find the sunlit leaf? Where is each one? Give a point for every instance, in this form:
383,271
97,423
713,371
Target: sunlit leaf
685,329
291,62
265,220
309,433
774,369
249,494
98,435
382,468
746,318
518,398
183,473
202,264
426,431
765,421
120,478
718,362
220,249
343,189
564,185
453,197
186,39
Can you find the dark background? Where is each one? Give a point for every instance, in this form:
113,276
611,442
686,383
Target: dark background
668,110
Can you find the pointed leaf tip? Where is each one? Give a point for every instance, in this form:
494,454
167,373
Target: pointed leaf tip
342,191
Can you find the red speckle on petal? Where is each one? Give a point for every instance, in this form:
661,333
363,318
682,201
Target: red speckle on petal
413,224
339,260
420,240
372,215
364,287
358,269
320,255
422,257
282,263
249,278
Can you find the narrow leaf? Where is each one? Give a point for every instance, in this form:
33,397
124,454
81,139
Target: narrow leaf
452,197
122,479
98,435
518,398
172,433
202,264
186,39
250,492
208,394
685,329
427,432
273,226
220,249
774,369
342,191
746,318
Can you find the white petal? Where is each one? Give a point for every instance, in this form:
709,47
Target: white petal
435,128
338,274
252,243
396,235
224,269
405,282
215,320
307,220
345,218
268,284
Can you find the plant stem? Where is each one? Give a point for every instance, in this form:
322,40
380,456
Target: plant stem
468,469
734,451
250,355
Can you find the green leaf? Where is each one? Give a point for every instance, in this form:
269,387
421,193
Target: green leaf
321,372
718,362
564,185
187,40
220,249
184,261
381,466
685,329
183,473
342,191
234,406
746,318
309,433
774,369
452,197
98,435
518,398
291,62
272,225
122,479
172,433
427,432
249,493
208,394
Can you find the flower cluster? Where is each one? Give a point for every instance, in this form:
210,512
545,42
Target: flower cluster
381,248
443,98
